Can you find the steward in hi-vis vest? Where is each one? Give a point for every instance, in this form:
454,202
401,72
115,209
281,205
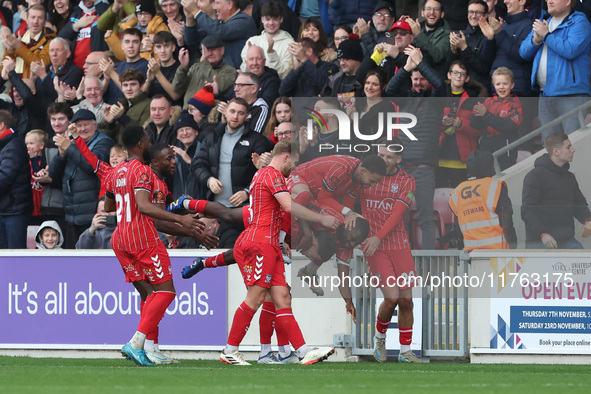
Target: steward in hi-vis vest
482,206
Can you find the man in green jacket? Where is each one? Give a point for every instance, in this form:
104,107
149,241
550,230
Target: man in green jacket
432,35
211,68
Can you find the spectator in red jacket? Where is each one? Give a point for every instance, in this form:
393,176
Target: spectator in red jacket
500,117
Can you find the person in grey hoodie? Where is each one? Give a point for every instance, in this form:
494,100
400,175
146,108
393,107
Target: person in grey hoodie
49,235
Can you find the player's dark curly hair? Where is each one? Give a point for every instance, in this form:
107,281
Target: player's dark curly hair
327,242
156,148
131,136
374,164
360,231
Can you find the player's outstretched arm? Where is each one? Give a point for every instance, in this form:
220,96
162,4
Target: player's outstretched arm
146,207
208,208
207,240
220,211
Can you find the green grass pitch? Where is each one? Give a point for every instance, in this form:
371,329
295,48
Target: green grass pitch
20,375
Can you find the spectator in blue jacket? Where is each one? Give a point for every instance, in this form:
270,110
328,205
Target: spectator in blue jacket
16,198
559,45
346,12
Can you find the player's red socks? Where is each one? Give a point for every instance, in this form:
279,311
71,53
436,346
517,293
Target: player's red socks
382,326
267,322
153,335
405,335
240,324
303,198
215,261
154,311
282,337
198,205
284,321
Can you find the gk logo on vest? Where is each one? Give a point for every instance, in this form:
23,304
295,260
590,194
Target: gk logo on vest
391,119
468,191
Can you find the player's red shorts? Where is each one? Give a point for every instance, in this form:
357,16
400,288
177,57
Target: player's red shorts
152,264
393,267
260,264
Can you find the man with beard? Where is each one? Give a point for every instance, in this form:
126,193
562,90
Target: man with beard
374,33
224,163
432,35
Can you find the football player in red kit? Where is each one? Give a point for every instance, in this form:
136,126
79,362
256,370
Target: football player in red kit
261,263
331,178
135,241
387,251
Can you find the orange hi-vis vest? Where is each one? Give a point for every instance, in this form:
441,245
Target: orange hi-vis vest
474,203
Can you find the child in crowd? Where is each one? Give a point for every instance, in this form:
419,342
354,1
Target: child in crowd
500,117
35,141
49,236
457,139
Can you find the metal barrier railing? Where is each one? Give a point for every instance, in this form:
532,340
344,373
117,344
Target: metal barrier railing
364,299
575,111
445,309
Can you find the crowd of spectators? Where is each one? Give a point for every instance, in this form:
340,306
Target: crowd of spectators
217,79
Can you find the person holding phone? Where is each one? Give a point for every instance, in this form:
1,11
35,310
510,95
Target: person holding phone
98,235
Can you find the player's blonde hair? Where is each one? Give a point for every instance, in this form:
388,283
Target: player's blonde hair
282,147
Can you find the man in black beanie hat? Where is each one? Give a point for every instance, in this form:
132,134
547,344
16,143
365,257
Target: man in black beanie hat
346,83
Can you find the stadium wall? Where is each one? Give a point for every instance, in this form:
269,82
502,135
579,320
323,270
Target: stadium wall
77,304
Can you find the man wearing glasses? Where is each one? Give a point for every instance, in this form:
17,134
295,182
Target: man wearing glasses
374,32
471,46
432,34
247,87
389,55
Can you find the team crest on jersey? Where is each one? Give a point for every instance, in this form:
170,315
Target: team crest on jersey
334,180
158,197
144,178
278,181
394,188
269,277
